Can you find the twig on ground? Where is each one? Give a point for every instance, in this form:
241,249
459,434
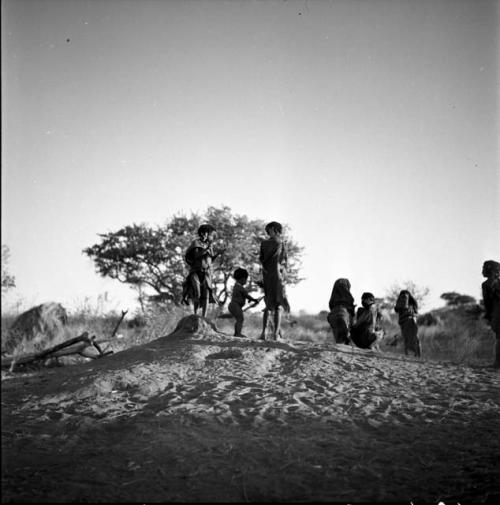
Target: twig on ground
124,312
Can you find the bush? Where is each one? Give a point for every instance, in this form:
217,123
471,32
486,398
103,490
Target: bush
460,339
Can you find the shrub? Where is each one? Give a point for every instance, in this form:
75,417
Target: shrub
460,339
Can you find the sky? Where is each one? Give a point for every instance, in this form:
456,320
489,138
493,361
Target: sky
369,127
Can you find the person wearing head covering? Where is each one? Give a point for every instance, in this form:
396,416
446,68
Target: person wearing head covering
273,259
407,310
491,299
198,285
365,331
341,314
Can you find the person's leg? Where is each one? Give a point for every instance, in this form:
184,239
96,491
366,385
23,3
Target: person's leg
237,312
204,294
204,306
372,340
343,332
238,326
409,331
265,317
196,290
277,323
341,325
404,336
339,322
331,322
359,337
414,341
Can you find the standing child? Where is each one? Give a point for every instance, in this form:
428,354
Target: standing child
407,309
273,258
491,299
239,297
199,286
364,332
341,311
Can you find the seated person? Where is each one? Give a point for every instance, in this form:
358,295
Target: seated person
341,306
365,331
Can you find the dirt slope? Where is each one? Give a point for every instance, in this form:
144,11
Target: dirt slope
201,416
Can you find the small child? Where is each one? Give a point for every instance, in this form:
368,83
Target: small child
239,297
366,330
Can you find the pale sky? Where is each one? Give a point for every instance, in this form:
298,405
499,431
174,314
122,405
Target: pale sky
369,127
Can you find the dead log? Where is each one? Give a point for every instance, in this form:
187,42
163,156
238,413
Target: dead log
74,345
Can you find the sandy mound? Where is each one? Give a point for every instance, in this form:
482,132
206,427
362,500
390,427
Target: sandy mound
303,422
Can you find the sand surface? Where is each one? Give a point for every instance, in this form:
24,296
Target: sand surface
202,416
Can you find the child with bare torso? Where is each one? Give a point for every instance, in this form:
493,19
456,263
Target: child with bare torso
239,296
199,286
273,258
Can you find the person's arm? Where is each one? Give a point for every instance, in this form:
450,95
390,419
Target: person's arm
250,298
219,252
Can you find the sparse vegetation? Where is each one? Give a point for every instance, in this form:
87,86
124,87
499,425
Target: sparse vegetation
460,335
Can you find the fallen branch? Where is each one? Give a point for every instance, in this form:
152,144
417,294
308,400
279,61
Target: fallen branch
74,345
118,323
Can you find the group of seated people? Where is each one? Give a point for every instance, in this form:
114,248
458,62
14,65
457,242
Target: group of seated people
363,327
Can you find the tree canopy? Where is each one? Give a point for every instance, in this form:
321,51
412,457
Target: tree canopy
151,258
454,299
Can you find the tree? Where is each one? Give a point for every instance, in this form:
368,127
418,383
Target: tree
151,259
419,293
8,281
454,299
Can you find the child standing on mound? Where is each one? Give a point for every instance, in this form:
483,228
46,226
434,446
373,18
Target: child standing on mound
239,297
199,286
273,258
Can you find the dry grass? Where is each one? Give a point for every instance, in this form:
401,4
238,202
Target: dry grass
459,338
